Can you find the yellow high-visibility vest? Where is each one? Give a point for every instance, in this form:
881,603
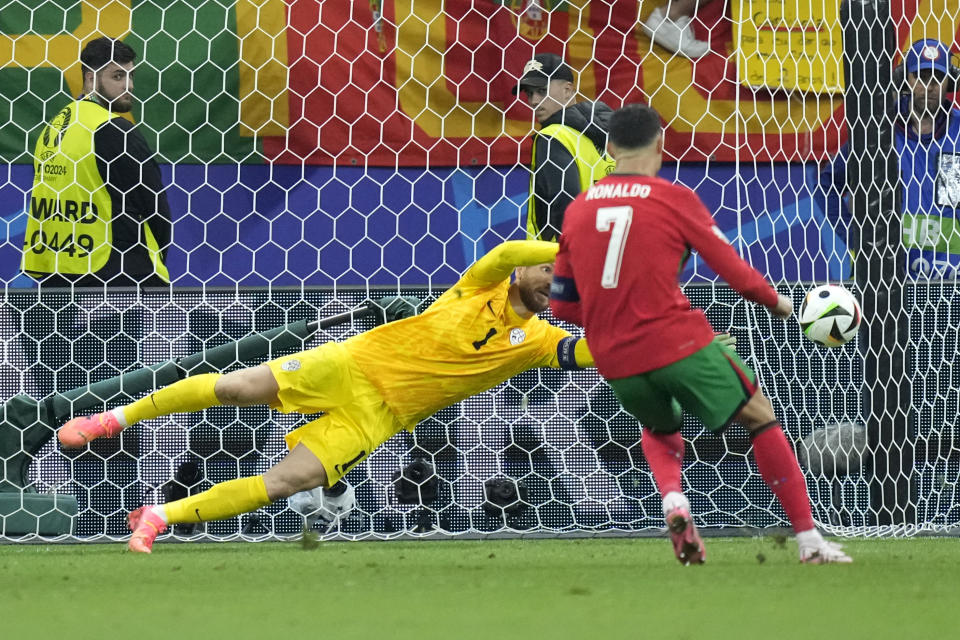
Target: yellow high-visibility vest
591,165
69,227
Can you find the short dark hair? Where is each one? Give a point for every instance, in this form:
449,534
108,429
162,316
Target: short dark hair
100,51
634,126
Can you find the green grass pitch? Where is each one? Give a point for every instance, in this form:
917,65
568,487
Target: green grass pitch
543,588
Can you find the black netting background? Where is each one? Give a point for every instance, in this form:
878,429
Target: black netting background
562,434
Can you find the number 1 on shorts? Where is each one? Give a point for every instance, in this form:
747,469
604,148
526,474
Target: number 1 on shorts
619,218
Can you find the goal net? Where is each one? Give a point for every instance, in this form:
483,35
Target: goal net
319,155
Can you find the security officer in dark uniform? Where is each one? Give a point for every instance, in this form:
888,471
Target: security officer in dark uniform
98,214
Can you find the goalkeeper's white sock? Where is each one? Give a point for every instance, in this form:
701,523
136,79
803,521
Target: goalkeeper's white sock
161,513
121,418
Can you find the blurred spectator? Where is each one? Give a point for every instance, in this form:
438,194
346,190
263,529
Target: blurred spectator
670,27
927,141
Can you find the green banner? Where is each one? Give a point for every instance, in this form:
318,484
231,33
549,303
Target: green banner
187,74
932,233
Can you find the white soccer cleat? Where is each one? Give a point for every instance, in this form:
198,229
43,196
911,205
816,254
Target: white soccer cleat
674,36
317,506
824,552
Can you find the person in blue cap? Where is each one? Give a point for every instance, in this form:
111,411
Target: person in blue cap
927,139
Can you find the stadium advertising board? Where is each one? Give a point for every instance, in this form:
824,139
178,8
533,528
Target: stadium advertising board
285,226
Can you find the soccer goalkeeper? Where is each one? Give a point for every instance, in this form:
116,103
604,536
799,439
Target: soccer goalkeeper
480,332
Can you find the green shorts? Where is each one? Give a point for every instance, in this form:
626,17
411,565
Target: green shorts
712,384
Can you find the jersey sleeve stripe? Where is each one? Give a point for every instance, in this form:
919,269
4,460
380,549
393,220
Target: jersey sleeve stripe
564,289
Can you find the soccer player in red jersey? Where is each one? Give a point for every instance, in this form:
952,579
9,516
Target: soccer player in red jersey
623,244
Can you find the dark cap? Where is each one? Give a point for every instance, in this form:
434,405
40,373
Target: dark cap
927,54
541,70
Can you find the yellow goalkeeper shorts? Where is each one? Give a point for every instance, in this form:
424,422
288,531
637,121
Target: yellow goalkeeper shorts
357,420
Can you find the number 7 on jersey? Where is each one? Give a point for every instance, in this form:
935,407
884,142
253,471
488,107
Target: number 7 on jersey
619,218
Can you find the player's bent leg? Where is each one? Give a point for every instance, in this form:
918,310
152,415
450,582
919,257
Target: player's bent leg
190,394
664,454
221,501
781,472
663,448
247,387
776,461
301,470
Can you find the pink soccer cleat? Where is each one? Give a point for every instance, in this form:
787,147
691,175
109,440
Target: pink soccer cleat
687,544
146,526
79,432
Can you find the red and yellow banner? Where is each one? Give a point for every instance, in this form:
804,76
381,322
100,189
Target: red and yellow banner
428,82
425,83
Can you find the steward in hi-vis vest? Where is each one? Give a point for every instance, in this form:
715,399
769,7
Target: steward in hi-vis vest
567,159
569,150
98,213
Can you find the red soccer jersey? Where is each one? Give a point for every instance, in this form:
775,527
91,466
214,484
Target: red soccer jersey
624,243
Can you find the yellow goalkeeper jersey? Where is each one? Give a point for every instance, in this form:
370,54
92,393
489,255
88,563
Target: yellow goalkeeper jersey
466,342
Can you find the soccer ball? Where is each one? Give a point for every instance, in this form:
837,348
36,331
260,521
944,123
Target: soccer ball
829,315
317,507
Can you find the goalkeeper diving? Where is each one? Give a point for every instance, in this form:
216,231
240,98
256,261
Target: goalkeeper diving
479,333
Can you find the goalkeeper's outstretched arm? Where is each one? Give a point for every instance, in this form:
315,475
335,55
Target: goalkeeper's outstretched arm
500,262
572,353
